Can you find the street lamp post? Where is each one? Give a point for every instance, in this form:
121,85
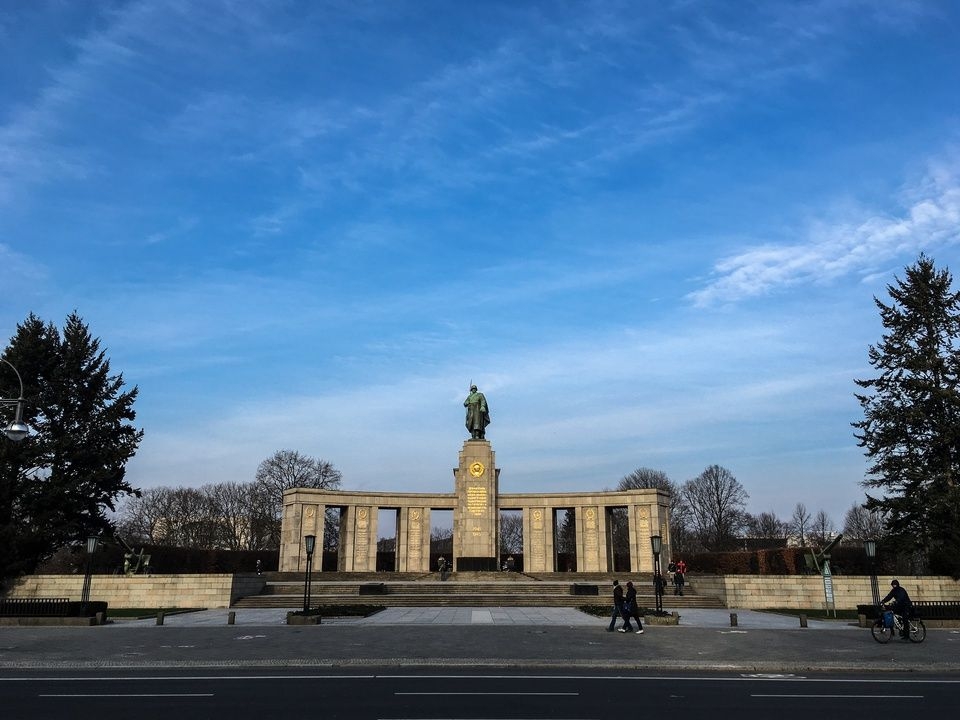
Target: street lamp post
656,544
16,430
85,594
309,542
870,547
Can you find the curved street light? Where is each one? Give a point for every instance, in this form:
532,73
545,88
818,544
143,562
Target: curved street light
309,542
870,547
16,430
656,544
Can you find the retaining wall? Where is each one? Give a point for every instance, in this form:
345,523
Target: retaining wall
221,590
806,591
145,591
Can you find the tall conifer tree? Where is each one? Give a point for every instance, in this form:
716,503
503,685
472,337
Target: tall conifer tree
56,485
911,426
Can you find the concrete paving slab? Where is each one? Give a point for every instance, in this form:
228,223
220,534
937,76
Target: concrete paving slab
520,616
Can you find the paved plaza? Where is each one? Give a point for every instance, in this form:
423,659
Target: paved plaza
523,616
464,638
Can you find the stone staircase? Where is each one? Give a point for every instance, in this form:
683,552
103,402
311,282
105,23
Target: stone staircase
462,589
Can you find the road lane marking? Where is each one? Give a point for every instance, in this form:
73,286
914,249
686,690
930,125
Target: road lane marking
524,677
857,697
123,695
536,694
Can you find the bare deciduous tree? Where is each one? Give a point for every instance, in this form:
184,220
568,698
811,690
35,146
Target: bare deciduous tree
331,529
646,478
287,469
862,524
767,526
717,505
143,519
244,526
800,523
821,530
441,541
219,516
511,532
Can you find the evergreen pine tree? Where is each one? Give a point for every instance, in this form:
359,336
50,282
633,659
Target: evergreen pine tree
911,426
56,485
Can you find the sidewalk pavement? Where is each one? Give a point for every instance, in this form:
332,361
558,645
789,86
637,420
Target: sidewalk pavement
531,616
473,638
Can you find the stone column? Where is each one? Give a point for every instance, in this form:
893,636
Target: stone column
475,519
365,539
537,539
591,540
289,534
312,524
300,519
660,515
640,527
347,552
413,540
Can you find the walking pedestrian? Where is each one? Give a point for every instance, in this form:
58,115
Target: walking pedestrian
630,609
680,577
617,605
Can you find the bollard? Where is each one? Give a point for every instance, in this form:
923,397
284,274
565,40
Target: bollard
159,617
101,618
733,619
231,618
803,620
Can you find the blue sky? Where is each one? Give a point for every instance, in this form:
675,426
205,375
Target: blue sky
651,232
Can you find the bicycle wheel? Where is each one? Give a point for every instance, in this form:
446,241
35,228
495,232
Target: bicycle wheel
881,633
918,631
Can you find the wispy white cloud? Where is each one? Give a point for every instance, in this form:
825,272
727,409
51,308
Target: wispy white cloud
19,276
831,251
575,413
182,227
340,217
36,145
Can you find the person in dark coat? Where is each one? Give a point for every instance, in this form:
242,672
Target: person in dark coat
617,605
630,610
902,605
659,584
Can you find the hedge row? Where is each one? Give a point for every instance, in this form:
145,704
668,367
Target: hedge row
849,560
163,559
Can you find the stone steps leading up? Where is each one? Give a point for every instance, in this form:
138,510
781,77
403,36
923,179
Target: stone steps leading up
465,600
460,590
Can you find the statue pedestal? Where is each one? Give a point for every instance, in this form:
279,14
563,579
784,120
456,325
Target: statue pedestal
476,521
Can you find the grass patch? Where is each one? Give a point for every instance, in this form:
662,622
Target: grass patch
813,614
596,610
605,611
347,610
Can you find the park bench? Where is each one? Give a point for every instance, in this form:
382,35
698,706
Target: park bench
34,607
925,610
937,609
372,589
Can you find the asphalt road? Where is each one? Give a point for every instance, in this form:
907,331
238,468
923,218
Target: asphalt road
660,648
389,693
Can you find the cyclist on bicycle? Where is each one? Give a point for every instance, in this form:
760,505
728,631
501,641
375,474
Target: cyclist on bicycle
901,605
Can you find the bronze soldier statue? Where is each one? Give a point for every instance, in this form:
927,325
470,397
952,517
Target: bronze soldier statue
478,413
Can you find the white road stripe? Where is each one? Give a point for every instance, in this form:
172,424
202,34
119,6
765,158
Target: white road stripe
124,695
858,697
536,694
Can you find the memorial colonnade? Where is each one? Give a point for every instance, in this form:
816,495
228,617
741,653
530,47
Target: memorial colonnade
476,505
